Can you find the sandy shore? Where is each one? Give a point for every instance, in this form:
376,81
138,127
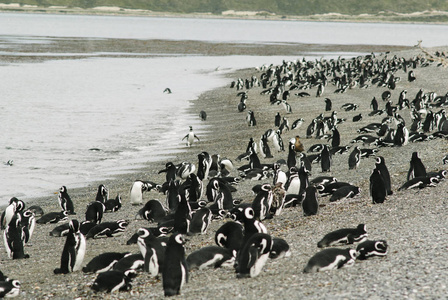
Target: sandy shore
413,222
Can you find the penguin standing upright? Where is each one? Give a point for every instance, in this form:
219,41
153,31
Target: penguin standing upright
310,205
190,137
380,164
152,251
378,189
292,161
374,104
328,104
65,201
102,194
137,189
175,269
95,211
277,120
325,159
204,164
262,202
170,170
253,256
354,158
13,237
336,138
250,118
416,168
74,250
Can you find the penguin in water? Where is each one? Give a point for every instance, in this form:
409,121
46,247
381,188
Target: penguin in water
253,256
65,202
74,250
354,159
310,204
380,165
378,189
330,259
175,269
190,137
416,168
344,236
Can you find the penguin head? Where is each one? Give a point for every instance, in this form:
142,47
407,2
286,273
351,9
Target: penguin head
74,226
143,232
381,246
179,239
249,213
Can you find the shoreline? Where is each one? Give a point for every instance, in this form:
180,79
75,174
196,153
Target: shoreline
409,221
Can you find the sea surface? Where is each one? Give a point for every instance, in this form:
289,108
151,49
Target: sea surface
76,121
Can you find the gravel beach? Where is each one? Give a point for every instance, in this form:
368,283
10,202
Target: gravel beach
413,222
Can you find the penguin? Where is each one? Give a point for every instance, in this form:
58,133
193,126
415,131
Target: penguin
140,186
325,159
251,224
167,91
14,206
201,220
310,204
320,90
230,235
323,180
344,236
416,168
103,262
210,256
153,211
378,189
172,195
107,229
102,194
277,120
262,202
336,138
130,263
330,259
287,107
152,250
74,250
28,223
280,248
170,170
291,161
253,256
279,175
65,202
184,169
182,216
9,288
175,269
329,188
37,210
95,211
316,148
328,104
204,164
203,115
380,165
366,152
112,281
401,137
297,123
53,217
344,192
190,137
354,158
369,248
293,184
357,118
278,142
250,118
113,205
420,183
411,76
13,238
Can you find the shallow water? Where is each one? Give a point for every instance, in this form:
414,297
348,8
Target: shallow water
74,121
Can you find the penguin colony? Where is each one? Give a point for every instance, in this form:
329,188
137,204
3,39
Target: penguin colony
195,194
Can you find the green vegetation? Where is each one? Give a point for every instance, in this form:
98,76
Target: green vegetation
278,7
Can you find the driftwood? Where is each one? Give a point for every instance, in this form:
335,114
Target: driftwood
441,59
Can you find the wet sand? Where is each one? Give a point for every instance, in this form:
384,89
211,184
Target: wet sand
413,222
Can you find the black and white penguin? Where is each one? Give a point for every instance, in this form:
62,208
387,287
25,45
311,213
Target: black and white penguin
153,211
344,236
401,137
253,256
184,169
323,180
287,107
262,202
297,123
279,175
113,205
357,118
411,76
345,192
310,204
329,188
107,229
14,206
336,138
172,195
374,104
292,160
170,170
204,164
210,257
9,288
28,223
95,211
140,186
113,281
182,216
14,237
251,224
378,189
130,263
277,120
278,141
325,159
330,259
354,159
103,262
230,235
153,251
53,217
201,220
250,118
280,248
102,194
328,104
368,249
293,184
416,168
175,269
420,183
74,250
190,137
65,202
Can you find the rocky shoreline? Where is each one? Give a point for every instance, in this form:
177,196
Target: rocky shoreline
413,222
